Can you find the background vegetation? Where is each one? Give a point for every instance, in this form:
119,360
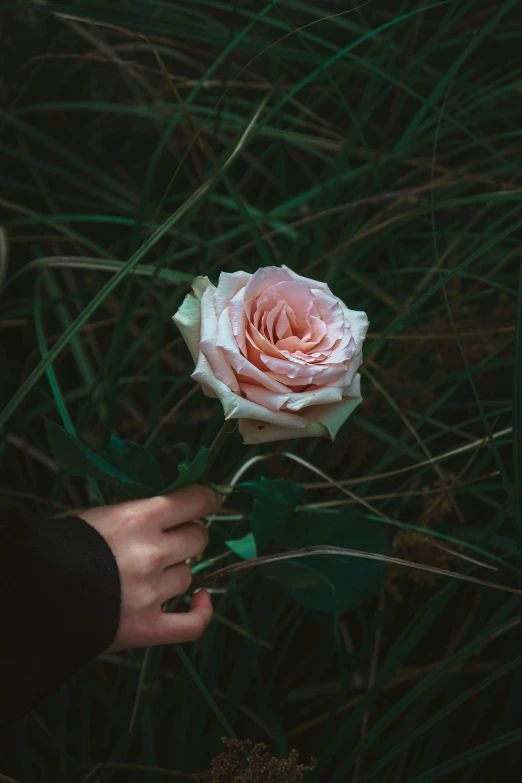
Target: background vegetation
385,159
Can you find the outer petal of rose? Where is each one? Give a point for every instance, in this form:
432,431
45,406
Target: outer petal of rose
339,374
207,346
358,321
228,285
238,320
326,395
292,401
188,317
330,418
264,397
237,407
354,390
291,369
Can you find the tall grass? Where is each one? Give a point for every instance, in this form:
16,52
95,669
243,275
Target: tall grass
376,147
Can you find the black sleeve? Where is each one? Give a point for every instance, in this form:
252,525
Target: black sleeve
59,603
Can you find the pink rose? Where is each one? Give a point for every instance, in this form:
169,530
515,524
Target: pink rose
280,351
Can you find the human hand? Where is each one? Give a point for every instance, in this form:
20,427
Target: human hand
151,539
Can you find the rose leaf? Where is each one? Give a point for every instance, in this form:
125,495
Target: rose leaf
191,470
244,548
348,582
78,459
274,502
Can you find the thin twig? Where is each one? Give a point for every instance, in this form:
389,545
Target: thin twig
325,549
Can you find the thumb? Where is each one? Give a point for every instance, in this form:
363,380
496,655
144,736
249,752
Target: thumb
179,627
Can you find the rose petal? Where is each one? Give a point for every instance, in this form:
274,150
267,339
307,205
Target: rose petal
237,407
271,317
299,300
354,390
262,396
358,322
225,341
323,421
238,320
307,281
323,396
260,281
188,317
339,374
332,417
293,401
213,353
290,369
229,284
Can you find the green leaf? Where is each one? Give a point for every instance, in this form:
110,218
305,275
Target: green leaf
285,493
243,547
274,502
78,459
345,584
190,472
187,451
136,462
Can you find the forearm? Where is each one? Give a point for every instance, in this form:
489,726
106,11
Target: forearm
59,603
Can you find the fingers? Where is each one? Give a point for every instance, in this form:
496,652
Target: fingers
175,581
184,542
177,628
185,505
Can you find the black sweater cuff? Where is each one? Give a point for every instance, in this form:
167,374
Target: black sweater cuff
59,603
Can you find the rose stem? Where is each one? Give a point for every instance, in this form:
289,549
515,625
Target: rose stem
217,444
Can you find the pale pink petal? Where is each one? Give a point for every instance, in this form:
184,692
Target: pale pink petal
358,323
262,396
238,320
332,417
188,317
255,432
354,389
225,341
282,323
318,330
292,345
332,316
236,407
260,281
271,317
323,421
229,284
215,356
307,281
298,297
255,337
291,369
296,383
323,396
304,344
200,285
338,374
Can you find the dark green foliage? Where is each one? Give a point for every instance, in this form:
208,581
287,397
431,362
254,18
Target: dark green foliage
274,501
322,582
125,465
331,582
386,161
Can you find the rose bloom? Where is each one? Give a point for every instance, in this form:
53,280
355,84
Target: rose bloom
280,351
